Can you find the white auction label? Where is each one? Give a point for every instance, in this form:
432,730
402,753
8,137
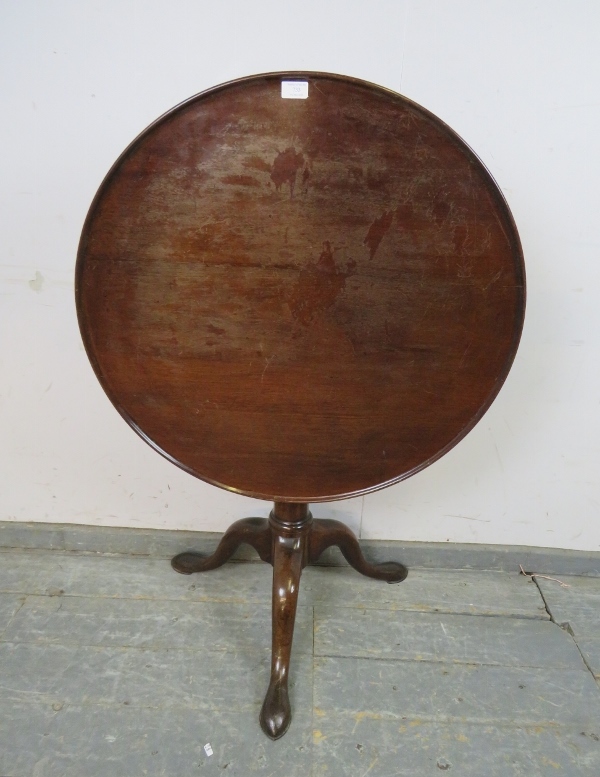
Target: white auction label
294,90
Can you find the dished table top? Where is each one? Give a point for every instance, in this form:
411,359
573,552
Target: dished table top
300,299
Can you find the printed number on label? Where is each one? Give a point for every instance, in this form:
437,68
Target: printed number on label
294,90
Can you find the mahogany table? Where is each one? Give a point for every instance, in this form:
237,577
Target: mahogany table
299,299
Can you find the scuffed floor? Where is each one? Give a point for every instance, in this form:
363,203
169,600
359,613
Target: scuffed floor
118,667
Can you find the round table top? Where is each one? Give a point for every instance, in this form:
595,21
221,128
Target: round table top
300,299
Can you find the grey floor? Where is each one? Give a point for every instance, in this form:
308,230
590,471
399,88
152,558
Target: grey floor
118,666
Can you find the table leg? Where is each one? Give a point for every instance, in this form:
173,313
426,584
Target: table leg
252,531
325,533
289,540
289,556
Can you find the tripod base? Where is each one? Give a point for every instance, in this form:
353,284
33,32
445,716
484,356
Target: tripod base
289,540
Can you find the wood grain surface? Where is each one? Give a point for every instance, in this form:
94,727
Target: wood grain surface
300,299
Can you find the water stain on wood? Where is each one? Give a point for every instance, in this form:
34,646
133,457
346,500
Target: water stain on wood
240,180
285,168
318,286
257,163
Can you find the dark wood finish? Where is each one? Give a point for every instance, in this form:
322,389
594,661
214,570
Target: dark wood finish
289,540
300,300
290,546
327,533
251,531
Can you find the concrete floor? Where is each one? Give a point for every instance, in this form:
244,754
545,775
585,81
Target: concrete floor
115,666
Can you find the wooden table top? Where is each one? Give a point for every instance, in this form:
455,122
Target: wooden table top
300,299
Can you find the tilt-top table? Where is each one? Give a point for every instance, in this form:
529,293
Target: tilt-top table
299,298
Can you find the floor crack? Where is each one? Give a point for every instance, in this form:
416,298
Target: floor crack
13,616
566,626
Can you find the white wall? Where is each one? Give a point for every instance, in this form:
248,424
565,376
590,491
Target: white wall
518,79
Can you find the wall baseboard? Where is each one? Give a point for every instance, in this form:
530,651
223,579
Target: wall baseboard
164,543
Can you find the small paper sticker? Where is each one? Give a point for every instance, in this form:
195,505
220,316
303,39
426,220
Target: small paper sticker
294,90
208,749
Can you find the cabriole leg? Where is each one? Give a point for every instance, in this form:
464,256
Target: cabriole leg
289,524
326,533
252,531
